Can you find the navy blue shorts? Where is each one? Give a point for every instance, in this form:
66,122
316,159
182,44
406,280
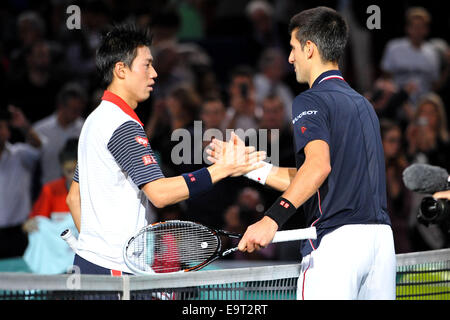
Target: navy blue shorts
86,267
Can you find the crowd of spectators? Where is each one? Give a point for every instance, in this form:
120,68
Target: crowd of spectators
223,63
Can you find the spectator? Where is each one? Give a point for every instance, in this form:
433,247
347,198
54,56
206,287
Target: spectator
265,30
171,72
427,137
47,253
30,30
428,133
177,111
33,90
52,199
17,164
269,80
443,85
212,114
392,102
279,152
279,132
247,209
243,111
65,123
398,197
413,58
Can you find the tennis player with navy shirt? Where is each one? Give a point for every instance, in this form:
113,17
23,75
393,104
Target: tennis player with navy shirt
117,174
340,174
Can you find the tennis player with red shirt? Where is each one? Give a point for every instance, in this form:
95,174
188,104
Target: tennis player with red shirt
117,173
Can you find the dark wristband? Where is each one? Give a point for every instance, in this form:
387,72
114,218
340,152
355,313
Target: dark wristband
281,211
198,182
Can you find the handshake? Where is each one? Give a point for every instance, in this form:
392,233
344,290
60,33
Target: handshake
236,159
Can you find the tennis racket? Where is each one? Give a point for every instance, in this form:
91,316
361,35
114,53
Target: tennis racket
181,246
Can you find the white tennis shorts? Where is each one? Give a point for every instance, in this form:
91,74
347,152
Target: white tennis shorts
351,262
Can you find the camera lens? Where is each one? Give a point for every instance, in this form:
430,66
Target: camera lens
429,208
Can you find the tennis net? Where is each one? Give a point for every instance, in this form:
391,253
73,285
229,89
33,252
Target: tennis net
421,275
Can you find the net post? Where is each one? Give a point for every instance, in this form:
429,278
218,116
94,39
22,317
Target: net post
125,287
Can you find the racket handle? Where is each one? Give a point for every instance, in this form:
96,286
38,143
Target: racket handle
296,234
70,239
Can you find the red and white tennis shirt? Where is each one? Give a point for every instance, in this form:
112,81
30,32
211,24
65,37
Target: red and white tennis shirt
114,160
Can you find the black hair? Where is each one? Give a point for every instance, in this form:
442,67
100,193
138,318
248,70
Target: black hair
70,151
69,91
120,45
323,26
242,70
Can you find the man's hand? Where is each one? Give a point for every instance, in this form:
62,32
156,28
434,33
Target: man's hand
30,225
258,235
18,119
235,156
442,195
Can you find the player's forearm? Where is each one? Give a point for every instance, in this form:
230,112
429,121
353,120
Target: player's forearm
306,182
73,201
167,191
280,178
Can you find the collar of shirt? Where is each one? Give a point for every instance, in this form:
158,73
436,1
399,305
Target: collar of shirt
118,101
327,75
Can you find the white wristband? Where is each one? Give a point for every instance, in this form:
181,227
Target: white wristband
260,174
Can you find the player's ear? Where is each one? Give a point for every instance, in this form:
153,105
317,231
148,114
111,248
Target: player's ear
119,70
310,49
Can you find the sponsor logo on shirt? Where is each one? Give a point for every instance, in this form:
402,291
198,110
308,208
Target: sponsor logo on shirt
141,140
304,113
148,159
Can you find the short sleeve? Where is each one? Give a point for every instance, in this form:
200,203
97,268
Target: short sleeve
76,175
309,121
131,149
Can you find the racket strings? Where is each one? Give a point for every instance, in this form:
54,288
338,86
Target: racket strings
170,247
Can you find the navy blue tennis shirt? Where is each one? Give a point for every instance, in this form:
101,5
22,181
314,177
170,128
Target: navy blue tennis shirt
355,190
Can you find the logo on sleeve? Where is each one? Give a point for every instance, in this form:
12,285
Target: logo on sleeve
141,140
148,159
303,129
304,113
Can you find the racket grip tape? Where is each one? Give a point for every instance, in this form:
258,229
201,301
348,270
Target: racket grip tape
296,234
68,236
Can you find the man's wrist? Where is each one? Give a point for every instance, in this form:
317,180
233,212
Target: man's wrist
281,211
218,172
260,175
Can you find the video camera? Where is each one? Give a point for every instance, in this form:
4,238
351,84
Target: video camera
427,179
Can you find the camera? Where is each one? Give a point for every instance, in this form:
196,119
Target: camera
434,211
